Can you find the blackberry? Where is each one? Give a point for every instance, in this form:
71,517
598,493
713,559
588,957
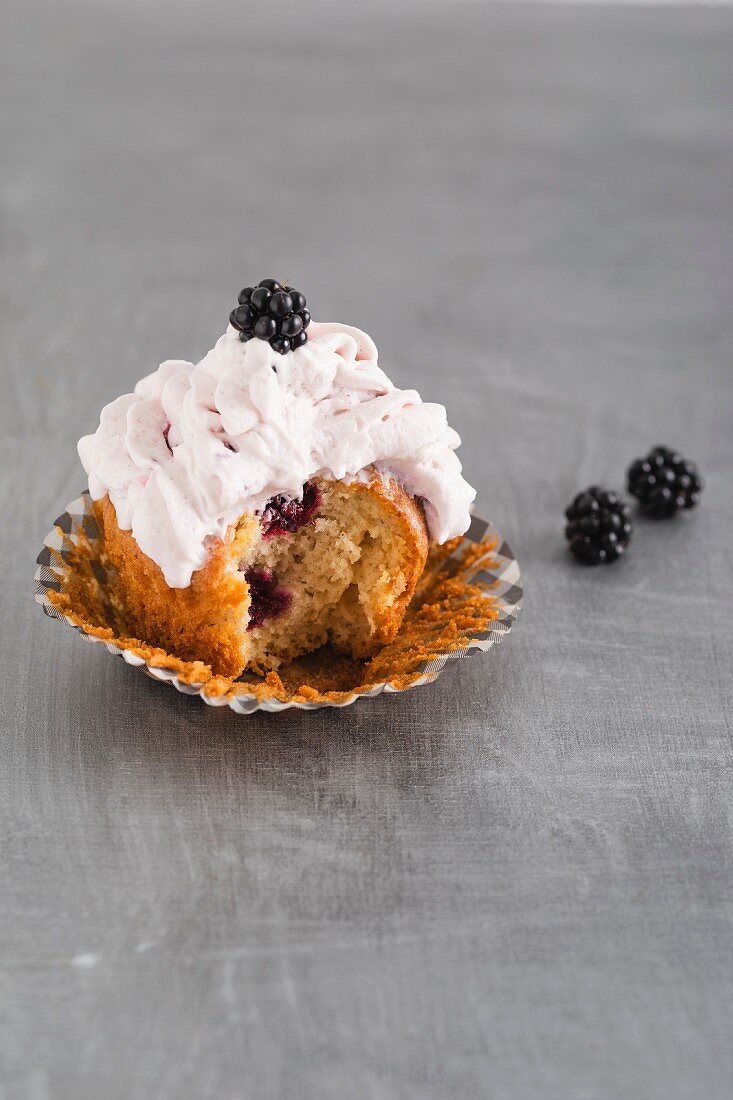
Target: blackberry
267,599
599,527
664,482
274,312
284,516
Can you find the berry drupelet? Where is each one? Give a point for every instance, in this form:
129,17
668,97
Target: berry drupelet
274,312
664,482
598,527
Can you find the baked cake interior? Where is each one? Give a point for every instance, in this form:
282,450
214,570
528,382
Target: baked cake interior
332,568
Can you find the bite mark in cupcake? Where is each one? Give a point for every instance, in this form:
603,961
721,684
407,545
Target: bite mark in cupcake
218,558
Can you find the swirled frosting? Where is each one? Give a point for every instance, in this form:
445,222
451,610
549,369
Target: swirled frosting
193,447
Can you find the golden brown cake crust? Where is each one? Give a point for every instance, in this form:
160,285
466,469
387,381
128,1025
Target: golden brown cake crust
207,620
409,518
198,622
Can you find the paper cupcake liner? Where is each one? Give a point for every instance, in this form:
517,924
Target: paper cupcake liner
498,577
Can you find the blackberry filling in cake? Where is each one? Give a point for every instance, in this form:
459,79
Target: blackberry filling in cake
282,516
277,496
266,599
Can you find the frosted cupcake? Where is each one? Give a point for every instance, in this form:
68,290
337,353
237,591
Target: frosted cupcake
277,496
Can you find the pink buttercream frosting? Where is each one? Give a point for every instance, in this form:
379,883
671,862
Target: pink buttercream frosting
193,447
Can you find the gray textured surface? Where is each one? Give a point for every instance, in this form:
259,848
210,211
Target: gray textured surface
514,884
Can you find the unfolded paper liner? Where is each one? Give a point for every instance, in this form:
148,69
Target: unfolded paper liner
481,560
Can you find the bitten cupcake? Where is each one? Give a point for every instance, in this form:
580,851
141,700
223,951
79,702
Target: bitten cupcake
277,496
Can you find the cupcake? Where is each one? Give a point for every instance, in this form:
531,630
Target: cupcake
278,496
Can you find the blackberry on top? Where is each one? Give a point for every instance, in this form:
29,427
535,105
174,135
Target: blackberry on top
274,312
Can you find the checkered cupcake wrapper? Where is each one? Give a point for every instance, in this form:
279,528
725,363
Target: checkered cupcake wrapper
501,579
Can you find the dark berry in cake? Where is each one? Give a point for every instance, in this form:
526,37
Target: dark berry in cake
664,482
598,528
267,601
284,516
274,312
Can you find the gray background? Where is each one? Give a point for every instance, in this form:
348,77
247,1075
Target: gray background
515,883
